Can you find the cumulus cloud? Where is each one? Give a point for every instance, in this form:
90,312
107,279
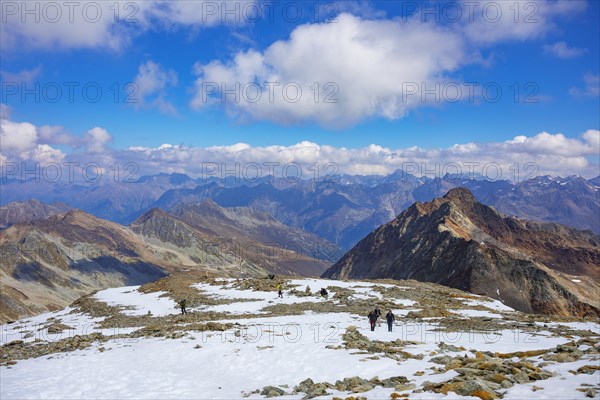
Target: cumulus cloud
358,69
96,140
151,86
113,25
20,141
370,67
562,50
25,141
591,88
17,137
541,154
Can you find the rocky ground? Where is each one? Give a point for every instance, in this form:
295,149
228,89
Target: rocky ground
446,342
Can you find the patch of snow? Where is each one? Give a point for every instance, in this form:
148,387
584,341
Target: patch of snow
138,303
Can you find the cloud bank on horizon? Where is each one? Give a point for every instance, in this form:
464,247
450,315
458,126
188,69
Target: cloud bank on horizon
545,153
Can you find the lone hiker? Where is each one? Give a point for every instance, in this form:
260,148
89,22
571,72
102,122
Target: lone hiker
279,290
324,292
378,314
182,303
390,319
372,319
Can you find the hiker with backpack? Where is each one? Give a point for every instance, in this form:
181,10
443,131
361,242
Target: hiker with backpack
372,319
390,319
324,293
182,304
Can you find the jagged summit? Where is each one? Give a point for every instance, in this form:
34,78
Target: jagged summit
460,195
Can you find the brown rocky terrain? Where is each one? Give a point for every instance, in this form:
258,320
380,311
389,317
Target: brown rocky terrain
456,241
47,264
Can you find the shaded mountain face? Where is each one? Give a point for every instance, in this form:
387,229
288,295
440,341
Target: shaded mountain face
27,211
249,225
203,237
47,264
458,242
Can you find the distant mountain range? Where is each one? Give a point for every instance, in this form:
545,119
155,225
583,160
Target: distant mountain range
48,263
458,242
341,210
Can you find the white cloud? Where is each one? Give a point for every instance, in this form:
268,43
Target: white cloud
108,25
43,154
96,140
366,63
552,154
17,137
591,89
562,50
151,86
488,22
25,141
377,67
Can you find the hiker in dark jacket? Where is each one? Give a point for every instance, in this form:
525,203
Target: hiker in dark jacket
182,305
378,313
390,319
372,319
324,292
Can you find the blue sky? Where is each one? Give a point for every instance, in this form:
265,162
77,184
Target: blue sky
553,60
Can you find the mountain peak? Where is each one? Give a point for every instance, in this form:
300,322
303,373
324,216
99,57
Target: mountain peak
152,213
460,195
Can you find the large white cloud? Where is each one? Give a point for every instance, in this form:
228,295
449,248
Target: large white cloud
374,67
366,63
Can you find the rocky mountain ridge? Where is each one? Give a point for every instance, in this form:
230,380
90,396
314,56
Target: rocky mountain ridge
459,242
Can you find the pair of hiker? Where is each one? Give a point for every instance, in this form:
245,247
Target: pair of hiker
375,317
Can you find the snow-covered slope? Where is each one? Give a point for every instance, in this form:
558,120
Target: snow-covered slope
238,342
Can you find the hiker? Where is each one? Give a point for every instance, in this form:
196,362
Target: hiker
372,319
324,292
390,319
182,305
378,314
279,292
